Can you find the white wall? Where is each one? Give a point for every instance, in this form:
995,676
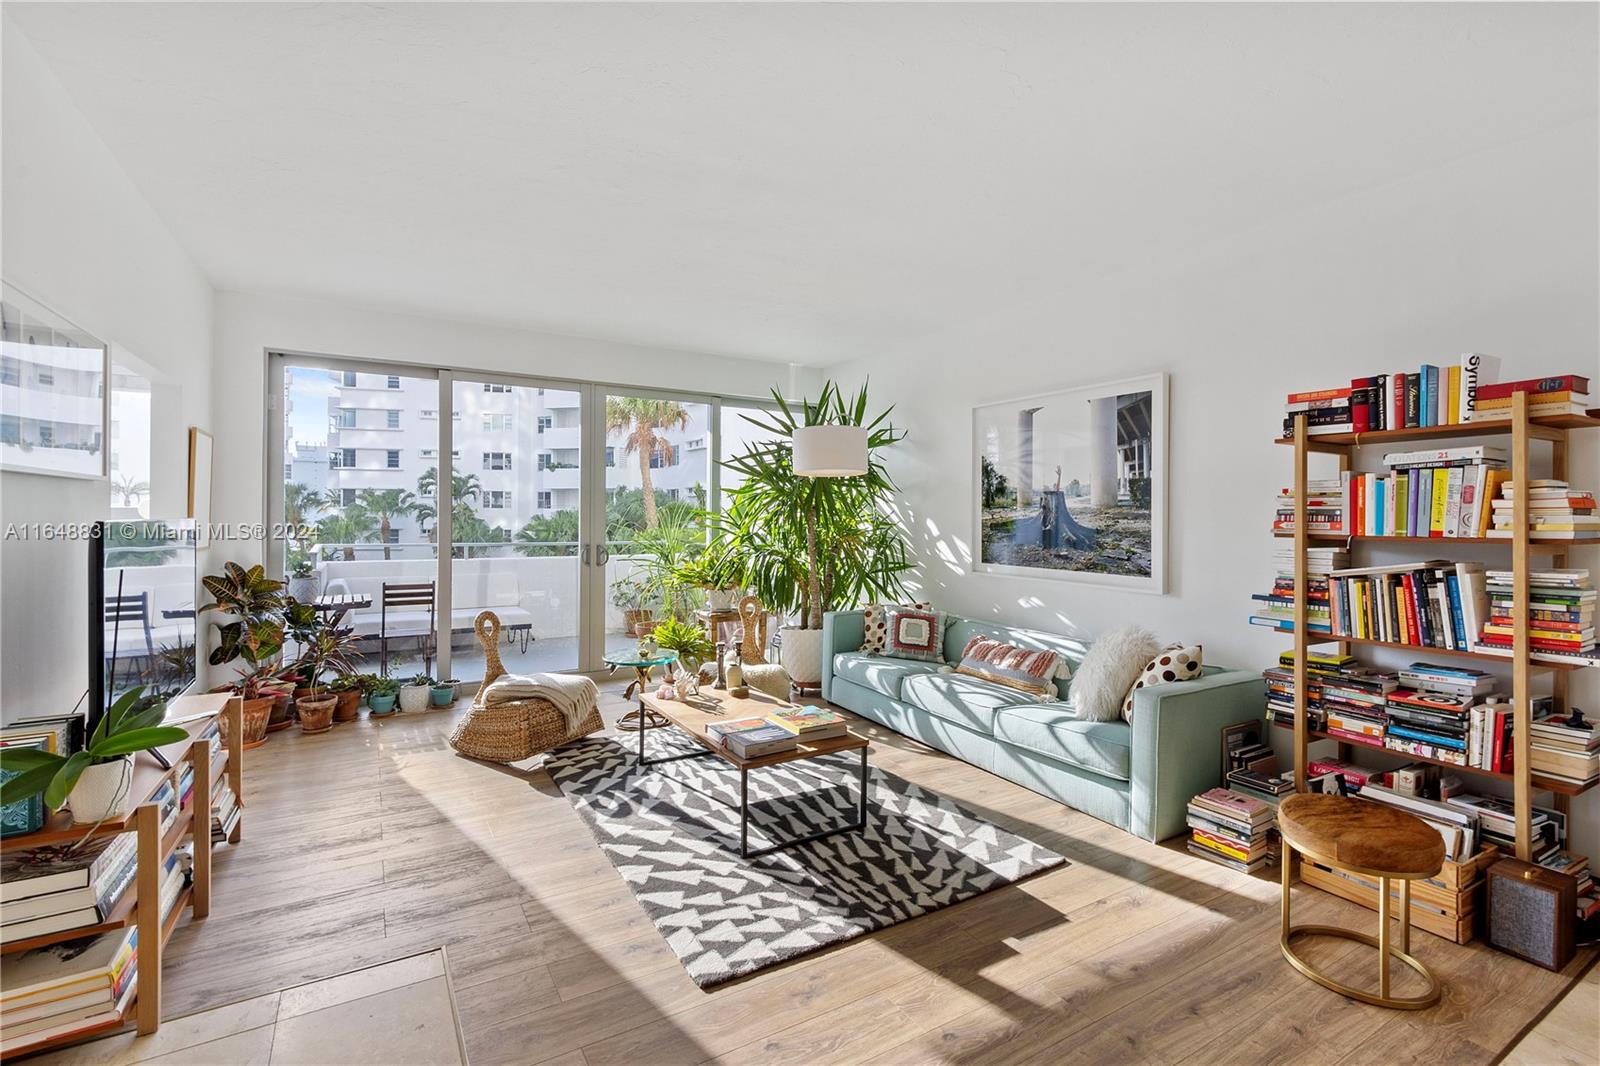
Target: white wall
247,326
1495,253
80,238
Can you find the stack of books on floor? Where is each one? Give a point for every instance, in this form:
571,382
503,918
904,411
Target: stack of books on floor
1430,713
1235,830
1275,609
1560,615
1564,394
69,989
1252,767
1566,748
1433,604
1427,396
1556,511
782,730
53,890
1435,492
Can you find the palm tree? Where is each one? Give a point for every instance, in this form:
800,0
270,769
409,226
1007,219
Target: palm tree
385,505
349,527
551,534
463,487
301,501
637,421
130,490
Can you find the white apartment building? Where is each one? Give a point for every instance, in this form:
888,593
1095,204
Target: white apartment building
522,444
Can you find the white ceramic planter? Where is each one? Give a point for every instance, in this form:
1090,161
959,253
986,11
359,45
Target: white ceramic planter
415,697
305,589
720,599
801,655
101,791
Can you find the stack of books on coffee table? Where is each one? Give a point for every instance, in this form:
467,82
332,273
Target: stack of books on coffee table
782,730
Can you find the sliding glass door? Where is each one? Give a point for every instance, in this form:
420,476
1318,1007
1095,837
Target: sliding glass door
407,501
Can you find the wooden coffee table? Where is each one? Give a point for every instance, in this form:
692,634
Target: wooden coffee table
711,706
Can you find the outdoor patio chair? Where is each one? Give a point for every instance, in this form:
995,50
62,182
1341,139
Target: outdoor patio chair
404,610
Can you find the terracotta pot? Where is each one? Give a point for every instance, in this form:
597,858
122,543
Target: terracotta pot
348,708
257,712
316,713
282,716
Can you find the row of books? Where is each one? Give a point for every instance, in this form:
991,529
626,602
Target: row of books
1428,396
1556,511
782,730
50,890
1561,605
1235,830
1434,604
1564,394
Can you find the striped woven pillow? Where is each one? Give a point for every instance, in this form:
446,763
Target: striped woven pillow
1024,669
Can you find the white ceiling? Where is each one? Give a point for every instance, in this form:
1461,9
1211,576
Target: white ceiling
804,183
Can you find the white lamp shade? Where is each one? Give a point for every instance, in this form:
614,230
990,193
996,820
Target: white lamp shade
830,451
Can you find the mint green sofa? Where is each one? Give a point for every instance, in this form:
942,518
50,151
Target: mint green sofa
1138,776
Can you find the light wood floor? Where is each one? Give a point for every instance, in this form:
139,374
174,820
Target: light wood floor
376,841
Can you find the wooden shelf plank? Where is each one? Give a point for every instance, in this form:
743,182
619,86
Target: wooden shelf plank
1563,788
1458,429
1420,649
1551,544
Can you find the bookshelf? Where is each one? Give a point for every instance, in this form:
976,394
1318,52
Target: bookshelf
1522,430
193,713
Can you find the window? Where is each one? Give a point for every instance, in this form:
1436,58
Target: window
10,429
47,377
47,434
10,370
492,387
346,418
392,419
546,461
393,459
393,536
611,457
546,422
347,497
496,500
288,472
496,423
429,453
657,460
344,458
347,378
497,460
672,494
544,501
393,381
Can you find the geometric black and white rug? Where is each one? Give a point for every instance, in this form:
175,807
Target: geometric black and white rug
672,832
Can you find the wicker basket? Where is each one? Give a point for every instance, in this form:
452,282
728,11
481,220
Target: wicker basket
521,729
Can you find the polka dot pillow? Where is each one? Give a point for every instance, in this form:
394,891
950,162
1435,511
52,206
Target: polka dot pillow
877,619
1175,663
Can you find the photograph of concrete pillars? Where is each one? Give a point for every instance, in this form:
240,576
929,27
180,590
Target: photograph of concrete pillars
1073,483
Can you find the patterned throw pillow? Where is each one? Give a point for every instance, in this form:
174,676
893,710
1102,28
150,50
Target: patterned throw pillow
877,620
1175,663
1024,669
915,634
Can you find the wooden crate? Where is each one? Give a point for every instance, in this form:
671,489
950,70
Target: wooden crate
1446,905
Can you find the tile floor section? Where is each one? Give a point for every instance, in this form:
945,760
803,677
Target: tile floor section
398,1014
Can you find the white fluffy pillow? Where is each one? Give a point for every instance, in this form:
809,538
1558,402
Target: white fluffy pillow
1113,664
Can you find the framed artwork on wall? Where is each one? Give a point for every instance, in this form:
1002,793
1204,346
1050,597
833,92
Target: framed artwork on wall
1073,485
200,447
54,405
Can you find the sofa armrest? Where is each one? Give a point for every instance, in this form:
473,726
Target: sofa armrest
841,631
1177,744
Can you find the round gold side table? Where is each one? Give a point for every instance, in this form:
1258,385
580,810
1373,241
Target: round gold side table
1372,840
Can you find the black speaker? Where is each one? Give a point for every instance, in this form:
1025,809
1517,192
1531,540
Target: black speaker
1533,913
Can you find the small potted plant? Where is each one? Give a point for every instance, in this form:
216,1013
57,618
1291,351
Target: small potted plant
705,572
93,782
631,594
381,696
444,692
322,648
416,693
304,581
255,637
692,646
348,688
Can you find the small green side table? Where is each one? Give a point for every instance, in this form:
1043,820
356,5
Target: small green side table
642,718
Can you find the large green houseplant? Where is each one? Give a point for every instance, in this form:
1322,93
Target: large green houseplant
253,639
809,545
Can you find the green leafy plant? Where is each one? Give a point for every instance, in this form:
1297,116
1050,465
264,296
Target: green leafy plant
322,647
420,679
256,634
685,638
131,724
808,545
347,683
303,567
383,686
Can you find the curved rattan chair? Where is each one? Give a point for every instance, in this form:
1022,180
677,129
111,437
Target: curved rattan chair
520,729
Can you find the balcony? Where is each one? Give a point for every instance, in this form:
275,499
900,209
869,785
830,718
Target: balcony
555,478
558,438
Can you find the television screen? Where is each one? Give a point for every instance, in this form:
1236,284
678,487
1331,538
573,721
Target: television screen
147,590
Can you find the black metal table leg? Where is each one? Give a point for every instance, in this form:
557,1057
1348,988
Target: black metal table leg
744,812
855,826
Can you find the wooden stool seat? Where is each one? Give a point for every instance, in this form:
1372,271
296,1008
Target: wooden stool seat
1361,836
1370,839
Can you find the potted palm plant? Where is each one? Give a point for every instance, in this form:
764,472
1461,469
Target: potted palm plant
809,545
631,595
254,639
93,782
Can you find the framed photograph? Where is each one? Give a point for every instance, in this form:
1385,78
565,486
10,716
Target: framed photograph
200,448
54,403
1073,484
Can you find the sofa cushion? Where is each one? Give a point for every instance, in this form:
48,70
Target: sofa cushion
966,701
878,673
1050,729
